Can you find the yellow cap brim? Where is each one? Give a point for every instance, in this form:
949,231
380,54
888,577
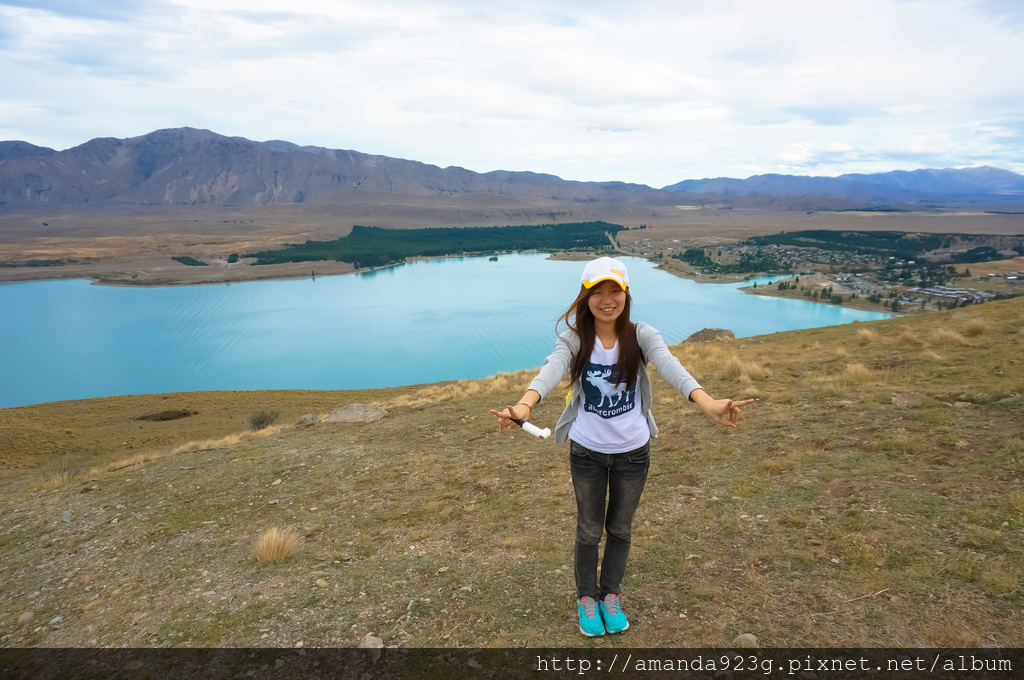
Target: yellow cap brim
591,284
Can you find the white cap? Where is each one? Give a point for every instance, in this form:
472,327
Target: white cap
605,269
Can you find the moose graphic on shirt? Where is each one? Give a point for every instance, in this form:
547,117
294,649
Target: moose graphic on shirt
604,398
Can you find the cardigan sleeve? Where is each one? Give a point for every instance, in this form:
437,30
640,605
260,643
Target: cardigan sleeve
656,351
555,365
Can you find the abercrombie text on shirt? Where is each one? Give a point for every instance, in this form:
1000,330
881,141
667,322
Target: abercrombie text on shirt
603,397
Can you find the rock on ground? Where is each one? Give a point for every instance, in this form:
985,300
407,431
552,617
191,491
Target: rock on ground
708,334
745,640
306,420
374,644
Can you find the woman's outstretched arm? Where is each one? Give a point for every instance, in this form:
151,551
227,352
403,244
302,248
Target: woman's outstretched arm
554,368
520,411
722,411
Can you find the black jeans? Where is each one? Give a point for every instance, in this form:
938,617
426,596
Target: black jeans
619,478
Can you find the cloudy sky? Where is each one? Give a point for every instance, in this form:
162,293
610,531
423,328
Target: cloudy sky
651,92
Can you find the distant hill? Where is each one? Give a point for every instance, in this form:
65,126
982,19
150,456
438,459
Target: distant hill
13,150
192,167
186,166
887,187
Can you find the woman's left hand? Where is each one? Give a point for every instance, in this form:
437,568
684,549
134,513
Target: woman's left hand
724,411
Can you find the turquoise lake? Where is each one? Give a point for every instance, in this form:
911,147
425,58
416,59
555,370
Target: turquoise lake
424,322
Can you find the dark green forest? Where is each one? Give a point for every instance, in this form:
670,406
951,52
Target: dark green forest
375,247
190,261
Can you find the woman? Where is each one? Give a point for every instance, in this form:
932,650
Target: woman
609,424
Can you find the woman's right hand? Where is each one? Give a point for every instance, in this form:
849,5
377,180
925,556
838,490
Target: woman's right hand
519,412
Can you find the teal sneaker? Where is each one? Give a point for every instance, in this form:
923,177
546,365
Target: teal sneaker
614,620
590,620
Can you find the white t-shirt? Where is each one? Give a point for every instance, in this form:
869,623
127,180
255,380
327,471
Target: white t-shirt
610,419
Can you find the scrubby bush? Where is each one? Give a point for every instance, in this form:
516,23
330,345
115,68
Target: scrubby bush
261,419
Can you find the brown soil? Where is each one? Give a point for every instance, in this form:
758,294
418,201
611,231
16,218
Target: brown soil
133,245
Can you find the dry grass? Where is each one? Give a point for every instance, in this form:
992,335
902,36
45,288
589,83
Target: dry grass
976,327
737,369
125,463
858,373
1014,502
866,336
778,465
703,357
502,383
908,337
106,429
946,336
982,537
275,544
756,371
57,470
228,440
748,391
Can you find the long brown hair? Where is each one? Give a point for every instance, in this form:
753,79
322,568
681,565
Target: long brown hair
581,320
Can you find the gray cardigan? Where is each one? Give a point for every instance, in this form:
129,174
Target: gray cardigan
654,350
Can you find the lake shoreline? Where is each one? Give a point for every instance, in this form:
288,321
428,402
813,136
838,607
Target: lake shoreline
144,273
342,332
155,274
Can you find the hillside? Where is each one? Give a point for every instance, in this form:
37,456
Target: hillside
917,186
871,497
190,167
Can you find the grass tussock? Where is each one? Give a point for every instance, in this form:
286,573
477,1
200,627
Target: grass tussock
947,336
737,369
275,544
908,337
859,373
748,391
830,390
976,327
901,445
55,480
982,537
866,336
59,469
778,465
1014,503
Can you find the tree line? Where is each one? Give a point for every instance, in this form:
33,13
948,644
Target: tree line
375,246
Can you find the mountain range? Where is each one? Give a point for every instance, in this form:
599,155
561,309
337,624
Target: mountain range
192,167
186,166
886,187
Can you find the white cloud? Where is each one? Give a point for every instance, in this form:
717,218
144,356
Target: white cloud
653,93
